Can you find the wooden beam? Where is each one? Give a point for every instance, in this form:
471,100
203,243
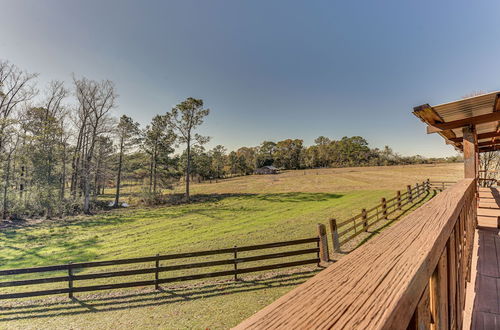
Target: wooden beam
469,142
488,143
481,119
428,115
479,136
496,105
488,149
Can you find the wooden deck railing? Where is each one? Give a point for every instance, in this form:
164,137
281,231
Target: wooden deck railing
413,275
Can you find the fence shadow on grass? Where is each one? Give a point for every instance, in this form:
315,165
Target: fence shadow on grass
117,301
65,233
429,195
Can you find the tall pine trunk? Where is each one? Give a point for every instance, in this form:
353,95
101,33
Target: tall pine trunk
62,190
188,169
5,202
118,177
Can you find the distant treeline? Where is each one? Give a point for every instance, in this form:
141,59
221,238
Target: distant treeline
60,148
289,154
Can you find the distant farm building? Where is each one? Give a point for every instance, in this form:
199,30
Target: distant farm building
266,170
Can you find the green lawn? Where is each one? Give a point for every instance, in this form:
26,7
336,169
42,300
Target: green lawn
239,211
217,223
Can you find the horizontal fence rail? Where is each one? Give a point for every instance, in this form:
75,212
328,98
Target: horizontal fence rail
345,231
411,276
320,252
440,185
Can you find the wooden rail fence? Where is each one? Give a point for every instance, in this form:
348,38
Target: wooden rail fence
344,231
320,250
411,276
440,185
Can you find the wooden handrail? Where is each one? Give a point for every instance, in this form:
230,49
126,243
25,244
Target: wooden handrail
412,273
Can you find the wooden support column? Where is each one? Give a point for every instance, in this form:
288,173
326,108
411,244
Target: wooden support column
470,151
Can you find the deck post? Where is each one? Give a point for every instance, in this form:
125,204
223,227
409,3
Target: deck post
335,235
470,151
323,243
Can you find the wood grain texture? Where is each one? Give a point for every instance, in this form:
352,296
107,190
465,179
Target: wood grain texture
486,309
469,134
379,285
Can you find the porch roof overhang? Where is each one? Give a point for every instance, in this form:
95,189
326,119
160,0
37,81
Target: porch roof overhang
448,119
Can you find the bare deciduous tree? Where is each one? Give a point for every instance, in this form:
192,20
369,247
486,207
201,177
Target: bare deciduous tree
96,99
17,89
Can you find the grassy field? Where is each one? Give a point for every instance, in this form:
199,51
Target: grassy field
238,211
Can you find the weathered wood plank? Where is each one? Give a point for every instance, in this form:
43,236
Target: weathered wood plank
452,281
422,319
439,292
469,141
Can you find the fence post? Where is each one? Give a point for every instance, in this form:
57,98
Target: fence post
335,235
235,263
323,243
363,218
417,187
399,199
384,207
428,185
70,280
410,197
157,272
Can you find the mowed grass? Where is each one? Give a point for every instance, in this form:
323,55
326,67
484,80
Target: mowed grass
238,211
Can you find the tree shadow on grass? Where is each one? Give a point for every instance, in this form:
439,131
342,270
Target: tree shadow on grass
77,239
75,251
120,216
45,309
298,197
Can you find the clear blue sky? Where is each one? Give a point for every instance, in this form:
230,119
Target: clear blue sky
269,70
